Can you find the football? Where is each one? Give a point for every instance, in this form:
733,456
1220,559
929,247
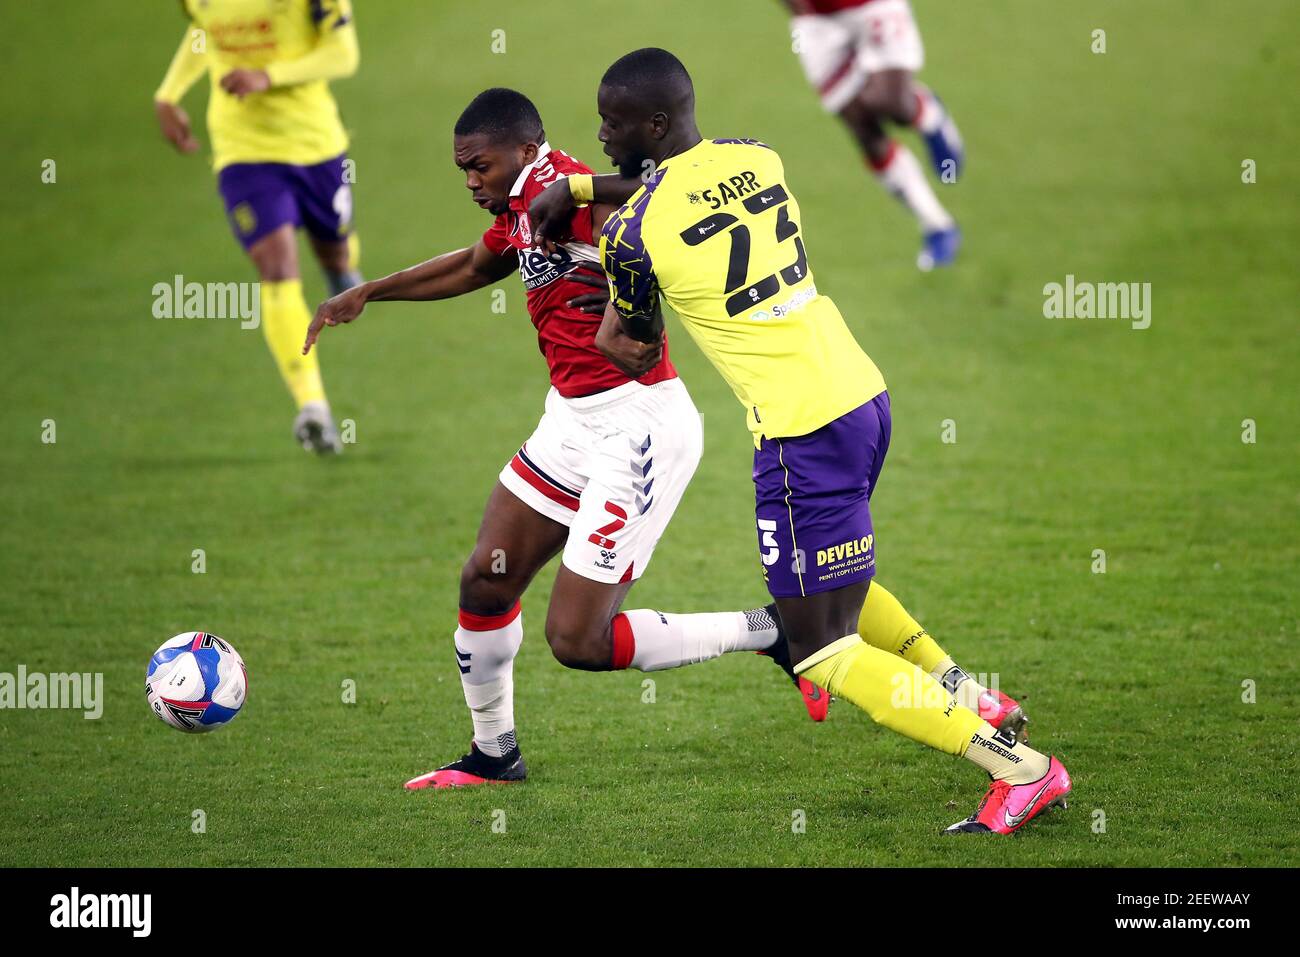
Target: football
196,682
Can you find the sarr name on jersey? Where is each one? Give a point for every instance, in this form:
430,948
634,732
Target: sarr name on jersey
732,188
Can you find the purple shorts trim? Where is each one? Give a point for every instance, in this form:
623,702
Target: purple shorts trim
262,197
812,496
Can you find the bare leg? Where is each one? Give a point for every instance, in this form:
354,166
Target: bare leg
275,255
514,544
579,622
336,261
815,621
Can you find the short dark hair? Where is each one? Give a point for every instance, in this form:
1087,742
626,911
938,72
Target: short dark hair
500,112
652,74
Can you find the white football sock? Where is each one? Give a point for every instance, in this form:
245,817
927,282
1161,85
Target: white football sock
486,646
959,684
902,175
1006,760
669,641
929,111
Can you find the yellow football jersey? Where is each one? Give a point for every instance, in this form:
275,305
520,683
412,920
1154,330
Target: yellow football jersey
301,44
716,230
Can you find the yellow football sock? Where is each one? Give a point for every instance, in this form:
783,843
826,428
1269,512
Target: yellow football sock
896,693
354,250
886,624
903,698
284,324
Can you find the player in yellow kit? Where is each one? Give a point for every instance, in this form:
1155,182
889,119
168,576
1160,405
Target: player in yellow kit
712,227
279,152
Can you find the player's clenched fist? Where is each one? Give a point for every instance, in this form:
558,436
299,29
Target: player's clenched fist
632,357
175,125
549,213
342,309
242,82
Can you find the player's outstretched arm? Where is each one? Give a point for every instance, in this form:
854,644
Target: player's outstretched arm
552,208
443,277
186,67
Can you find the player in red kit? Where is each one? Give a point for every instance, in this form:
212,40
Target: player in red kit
862,56
599,478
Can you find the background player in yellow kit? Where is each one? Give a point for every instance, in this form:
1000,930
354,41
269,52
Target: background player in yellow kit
279,151
713,228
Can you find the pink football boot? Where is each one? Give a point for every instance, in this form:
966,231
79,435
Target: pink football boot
1008,807
1004,713
473,769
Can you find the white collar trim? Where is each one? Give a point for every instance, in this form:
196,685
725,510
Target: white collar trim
542,152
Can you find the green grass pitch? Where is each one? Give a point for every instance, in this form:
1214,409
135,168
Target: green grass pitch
1072,435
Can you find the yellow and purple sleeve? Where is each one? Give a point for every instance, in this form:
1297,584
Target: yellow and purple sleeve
633,287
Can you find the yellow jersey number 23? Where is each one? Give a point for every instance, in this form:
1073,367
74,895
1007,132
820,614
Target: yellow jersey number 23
743,295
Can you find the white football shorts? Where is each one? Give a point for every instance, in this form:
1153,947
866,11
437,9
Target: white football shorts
612,467
839,51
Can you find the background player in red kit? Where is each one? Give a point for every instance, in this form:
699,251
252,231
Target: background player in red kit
599,478
862,56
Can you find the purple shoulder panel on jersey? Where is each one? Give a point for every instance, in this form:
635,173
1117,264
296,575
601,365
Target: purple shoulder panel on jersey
634,289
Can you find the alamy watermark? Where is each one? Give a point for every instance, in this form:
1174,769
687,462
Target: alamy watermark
1092,300
915,689
128,911
79,691
209,300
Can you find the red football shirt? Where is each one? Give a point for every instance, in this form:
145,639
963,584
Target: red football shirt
828,6
567,337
